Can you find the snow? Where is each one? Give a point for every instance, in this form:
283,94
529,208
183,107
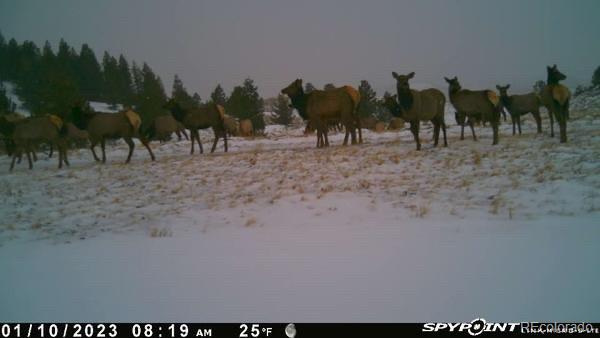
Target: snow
277,230
10,93
105,107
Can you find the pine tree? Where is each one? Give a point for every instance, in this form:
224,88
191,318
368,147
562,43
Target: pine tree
197,100
152,97
125,82
138,81
596,77
309,87
3,57
368,99
111,78
89,74
180,94
218,96
12,58
246,103
538,86
329,86
283,111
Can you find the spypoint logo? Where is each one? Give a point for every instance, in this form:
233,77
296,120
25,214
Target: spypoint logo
474,328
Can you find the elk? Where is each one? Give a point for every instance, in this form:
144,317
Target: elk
163,126
415,106
519,105
32,131
102,126
555,97
475,104
321,106
210,115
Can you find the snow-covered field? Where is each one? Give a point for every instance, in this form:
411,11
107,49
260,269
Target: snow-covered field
277,230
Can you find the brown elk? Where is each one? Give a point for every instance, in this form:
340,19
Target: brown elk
163,126
475,104
321,106
555,97
103,126
415,106
210,115
32,131
519,105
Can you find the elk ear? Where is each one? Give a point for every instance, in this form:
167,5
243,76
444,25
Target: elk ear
411,75
498,87
395,75
447,79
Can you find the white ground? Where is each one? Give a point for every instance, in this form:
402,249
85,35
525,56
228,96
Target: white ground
276,230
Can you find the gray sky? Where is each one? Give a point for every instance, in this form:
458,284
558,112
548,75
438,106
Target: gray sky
275,41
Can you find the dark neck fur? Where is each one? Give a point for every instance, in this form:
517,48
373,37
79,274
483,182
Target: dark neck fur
299,102
405,98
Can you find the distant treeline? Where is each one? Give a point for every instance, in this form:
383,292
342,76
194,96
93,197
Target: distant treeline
50,82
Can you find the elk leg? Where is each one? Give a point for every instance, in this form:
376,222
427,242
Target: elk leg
353,136
562,124
193,137
51,151
513,120
360,139
60,158
551,123
214,146
414,128
146,144
28,151
34,155
519,123
65,158
444,131
102,144
318,138
495,131
346,137
538,121
199,142
471,123
12,163
131,145
436,132
93,144
185,134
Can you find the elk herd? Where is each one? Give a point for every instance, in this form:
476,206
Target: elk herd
319,108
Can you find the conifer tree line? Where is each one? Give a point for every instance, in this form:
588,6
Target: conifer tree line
50,81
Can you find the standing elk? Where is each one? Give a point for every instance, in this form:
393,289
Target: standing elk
519,105
210,115
420,105
163,126
321,106
103,126
32,131
475,104
556,97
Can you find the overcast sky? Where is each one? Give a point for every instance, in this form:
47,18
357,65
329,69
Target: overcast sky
276,41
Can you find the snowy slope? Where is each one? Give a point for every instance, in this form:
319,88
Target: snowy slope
276,230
